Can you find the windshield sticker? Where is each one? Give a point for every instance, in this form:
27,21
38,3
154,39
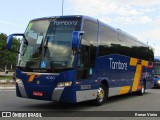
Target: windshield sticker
40,38
32,34
29,26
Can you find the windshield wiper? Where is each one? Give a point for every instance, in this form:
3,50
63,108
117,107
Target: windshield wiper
26,42
45,47
47,52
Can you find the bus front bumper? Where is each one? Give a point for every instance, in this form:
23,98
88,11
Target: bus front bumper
50,93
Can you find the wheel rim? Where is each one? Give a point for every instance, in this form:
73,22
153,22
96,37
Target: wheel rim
100,94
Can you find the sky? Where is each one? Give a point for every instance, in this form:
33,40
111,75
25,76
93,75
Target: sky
140,18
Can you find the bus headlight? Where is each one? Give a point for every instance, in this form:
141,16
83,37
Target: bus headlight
19,81
64,84
158,81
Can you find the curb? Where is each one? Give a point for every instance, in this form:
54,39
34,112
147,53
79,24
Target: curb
7,82
7,88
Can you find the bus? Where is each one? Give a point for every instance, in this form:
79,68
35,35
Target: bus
157,71
78,58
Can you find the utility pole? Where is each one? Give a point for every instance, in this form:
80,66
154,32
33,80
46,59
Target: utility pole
62,6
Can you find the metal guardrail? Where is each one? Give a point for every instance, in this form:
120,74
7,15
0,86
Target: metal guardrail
5,75
7,81
6,84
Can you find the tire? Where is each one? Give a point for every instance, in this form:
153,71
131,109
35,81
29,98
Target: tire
143,89
102,95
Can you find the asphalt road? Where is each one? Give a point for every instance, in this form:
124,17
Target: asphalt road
148,102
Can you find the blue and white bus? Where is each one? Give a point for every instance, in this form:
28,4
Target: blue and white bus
157,71
77,58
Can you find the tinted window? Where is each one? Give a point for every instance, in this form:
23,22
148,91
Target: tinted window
107,39
90,29
112,42
133,48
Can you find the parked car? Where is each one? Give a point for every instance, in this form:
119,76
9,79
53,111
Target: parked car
156,81
157,71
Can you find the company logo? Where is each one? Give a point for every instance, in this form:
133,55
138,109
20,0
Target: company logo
117,65
31,77
50,77
6,114
85,87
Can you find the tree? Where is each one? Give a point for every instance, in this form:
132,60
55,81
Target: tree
7,58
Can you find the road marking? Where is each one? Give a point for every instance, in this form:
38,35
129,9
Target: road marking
6,90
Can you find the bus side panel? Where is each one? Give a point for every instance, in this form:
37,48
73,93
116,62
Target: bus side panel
148,75
124,73
69,93
86,89
116,68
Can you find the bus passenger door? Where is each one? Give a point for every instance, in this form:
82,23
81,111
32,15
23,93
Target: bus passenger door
83,62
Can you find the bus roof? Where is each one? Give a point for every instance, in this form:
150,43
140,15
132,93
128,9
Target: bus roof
93,19
51,17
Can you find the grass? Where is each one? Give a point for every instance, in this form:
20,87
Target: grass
6,77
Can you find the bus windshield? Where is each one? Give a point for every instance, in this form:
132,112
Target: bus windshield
50,42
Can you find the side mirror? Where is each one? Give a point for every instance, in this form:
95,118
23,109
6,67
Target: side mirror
10,39
76,40
9,42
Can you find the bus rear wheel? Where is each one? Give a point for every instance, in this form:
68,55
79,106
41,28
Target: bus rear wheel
101,95
143,88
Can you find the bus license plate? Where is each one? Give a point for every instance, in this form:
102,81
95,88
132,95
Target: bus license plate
36,93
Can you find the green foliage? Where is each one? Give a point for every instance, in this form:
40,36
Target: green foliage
6,77
7,58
